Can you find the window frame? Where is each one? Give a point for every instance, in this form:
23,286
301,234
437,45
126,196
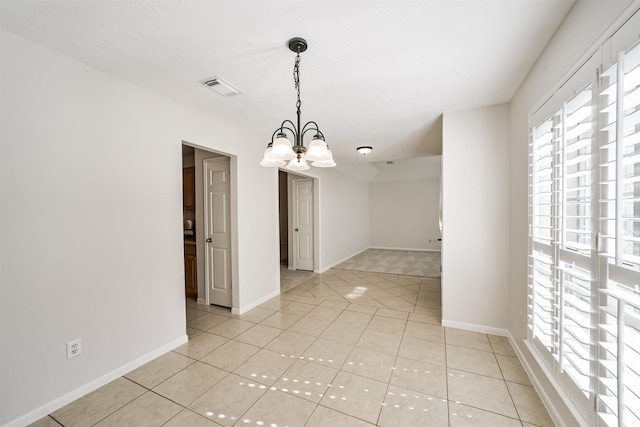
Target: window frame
599,266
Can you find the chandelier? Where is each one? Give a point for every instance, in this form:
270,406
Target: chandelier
280,149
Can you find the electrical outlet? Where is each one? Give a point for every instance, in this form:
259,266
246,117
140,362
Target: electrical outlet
74,348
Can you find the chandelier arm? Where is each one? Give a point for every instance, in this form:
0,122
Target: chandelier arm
280,129
311,122
294,130
314,129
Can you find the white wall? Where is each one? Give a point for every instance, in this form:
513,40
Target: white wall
584,25
404,214
91,168
344,215
344,209
475,247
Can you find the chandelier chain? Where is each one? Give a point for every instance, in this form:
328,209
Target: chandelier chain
296,78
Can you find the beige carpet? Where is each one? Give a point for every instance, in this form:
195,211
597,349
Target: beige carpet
411,263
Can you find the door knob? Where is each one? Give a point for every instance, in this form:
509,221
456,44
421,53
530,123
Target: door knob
209,240
295,229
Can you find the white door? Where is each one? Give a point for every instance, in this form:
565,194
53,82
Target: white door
303,224
217,231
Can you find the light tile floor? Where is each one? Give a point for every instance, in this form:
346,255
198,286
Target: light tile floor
343,348
291,278
412,263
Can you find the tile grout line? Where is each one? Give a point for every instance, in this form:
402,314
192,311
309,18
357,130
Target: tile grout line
446,375
316,302
121,407
56,421
373,315
353,348
395,364
386,392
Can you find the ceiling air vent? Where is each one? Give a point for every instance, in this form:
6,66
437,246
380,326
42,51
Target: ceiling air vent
221,87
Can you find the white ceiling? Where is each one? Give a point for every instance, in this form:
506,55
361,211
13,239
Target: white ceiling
413,169
377,73
431,162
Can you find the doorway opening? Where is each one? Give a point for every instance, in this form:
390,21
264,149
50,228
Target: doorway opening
283,209
210,227
299,222
188,223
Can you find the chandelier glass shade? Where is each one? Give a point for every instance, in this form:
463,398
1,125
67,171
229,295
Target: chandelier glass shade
280,149
269,161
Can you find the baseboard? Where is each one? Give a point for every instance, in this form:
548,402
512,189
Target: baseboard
201,301
323,269
405,249
64,400
256,303
475,328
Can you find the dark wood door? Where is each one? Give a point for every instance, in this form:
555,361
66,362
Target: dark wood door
190,271
189,188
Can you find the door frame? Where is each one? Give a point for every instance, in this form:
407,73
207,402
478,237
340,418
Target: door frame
315,188
203,293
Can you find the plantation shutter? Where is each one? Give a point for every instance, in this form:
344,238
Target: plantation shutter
561,306
584,234
618,397
543,194
574,258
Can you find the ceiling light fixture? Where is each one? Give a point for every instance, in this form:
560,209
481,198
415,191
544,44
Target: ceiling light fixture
280,148
364,150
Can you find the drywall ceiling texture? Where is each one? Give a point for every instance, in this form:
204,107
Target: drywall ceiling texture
376,73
